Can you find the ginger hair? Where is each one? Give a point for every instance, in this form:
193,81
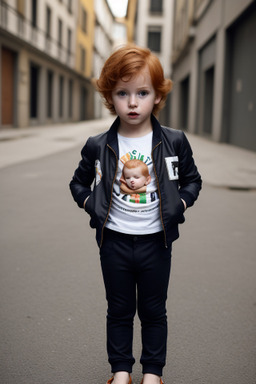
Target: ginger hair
125,63
135,163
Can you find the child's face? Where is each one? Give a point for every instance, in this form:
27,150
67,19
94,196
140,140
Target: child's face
134,100
134,178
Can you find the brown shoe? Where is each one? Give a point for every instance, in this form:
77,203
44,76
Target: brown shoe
112,379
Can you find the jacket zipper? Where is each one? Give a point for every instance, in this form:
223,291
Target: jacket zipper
112,187
158,187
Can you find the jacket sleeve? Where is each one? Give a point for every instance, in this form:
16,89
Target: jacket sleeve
189,178
84,175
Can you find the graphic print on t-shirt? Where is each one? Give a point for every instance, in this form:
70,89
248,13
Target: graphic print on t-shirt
135,212
135,179
135,155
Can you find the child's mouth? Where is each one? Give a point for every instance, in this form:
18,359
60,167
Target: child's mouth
133,114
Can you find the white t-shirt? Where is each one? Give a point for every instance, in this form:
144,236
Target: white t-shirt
135,213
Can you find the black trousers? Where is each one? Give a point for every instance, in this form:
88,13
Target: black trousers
136,271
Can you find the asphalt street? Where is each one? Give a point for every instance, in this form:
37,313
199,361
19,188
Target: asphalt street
52,300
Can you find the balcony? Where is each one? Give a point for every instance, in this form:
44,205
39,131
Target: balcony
21,28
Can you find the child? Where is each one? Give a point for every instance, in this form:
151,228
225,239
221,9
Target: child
135,240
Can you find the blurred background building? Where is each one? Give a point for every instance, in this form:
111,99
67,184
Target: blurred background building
214,61
154,29
103,44
45,61
51,50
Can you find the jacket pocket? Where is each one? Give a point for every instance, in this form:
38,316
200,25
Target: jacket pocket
90,209
181,210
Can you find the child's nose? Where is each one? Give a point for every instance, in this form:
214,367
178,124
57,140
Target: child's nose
133,101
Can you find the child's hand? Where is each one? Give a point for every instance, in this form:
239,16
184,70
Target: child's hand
185,204
86,201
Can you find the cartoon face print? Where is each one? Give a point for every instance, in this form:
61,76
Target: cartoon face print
134,178
135,175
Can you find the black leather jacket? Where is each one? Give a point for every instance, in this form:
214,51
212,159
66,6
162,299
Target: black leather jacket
101,153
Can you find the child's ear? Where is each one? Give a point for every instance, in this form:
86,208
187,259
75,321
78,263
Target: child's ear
158,99
148,179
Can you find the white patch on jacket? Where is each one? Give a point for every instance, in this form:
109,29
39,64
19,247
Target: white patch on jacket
172,165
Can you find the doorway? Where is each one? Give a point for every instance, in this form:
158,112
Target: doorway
7,80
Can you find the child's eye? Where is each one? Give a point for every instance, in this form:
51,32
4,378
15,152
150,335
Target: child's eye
121,93
143,93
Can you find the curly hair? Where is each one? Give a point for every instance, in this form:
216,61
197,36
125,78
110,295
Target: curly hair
125,63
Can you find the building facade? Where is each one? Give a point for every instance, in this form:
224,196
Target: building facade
154,30
84,57
214,61
103,46
40,79
130,20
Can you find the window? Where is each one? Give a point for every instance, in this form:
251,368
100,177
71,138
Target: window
83,55
69,41
156,6
84,20
60,33
21,15
154,39
48,22
34,12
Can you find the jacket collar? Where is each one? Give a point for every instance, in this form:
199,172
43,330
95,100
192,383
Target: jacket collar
112,133
157,131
